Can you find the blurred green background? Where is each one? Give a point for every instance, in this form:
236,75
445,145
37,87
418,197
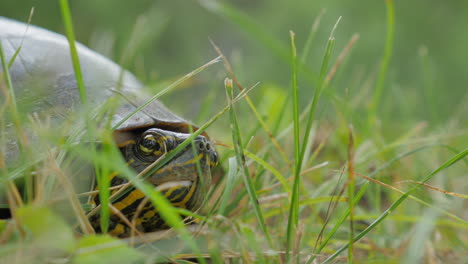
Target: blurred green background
423,101
427,78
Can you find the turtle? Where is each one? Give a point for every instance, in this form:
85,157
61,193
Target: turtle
42,73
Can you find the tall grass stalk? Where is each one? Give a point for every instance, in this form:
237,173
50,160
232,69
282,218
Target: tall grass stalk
319,89
17,51
101,173
299,152
379,86
293,218
68,23
384,63
22,140
10,91
240,157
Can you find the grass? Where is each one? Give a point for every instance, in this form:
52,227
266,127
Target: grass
311,168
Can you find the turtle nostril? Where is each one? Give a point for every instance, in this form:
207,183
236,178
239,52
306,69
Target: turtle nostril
201,146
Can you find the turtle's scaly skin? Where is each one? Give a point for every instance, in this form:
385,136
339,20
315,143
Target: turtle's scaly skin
42,73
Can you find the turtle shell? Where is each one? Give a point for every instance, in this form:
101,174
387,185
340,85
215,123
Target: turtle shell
42,74
44,63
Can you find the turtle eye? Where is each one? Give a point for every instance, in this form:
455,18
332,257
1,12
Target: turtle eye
148,145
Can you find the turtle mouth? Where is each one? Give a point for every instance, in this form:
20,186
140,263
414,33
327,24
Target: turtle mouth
173,185
180,193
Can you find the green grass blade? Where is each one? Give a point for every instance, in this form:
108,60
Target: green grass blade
103,181
67,21
402,198
17,51
237,141
293,217
231,178
311,37
91,135
384,63
379,86
9,85
351,184
319,89
299,152
16,119
264,164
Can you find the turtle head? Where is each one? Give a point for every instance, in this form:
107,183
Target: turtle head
193,163
183,180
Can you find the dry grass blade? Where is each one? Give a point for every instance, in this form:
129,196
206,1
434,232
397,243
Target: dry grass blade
272,198
13,210
247,256
437,189
410,196
91,193
297,240
341,58
71,194
151,237
138,211
330,209
318,166
16,201
125,219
